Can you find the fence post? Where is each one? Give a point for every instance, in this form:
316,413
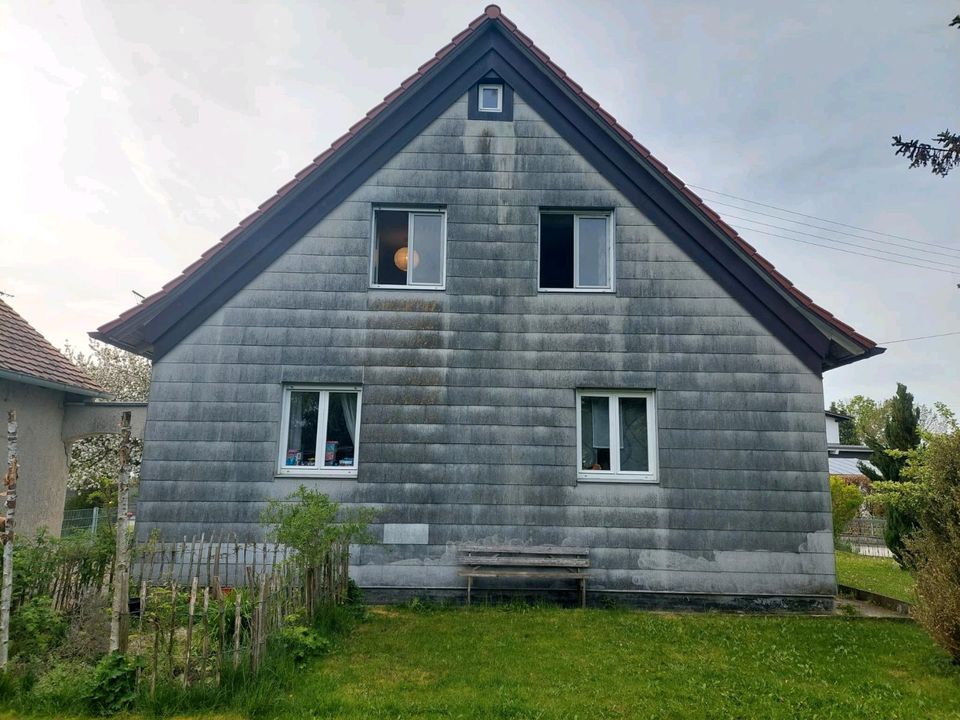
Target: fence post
121,581
96,516
10,490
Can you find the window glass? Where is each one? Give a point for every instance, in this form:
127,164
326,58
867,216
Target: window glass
556,250
301,448
595,427
427,249
634,453
391,256
408,248
592,249
341,430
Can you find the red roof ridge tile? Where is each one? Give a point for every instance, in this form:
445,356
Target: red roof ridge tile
493,13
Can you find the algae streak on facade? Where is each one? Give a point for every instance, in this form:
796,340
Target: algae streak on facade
491,314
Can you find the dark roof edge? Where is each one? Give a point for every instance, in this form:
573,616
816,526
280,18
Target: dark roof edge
51,385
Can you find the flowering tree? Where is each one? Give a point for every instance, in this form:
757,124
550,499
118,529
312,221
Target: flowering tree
95,461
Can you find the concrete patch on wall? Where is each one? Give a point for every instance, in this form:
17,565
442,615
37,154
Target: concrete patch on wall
406,533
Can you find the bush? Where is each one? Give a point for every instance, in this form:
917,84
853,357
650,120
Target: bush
935,548
902,504
845,500
113,687
299,641
36,628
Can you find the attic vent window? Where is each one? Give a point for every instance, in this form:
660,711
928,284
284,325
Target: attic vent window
491,98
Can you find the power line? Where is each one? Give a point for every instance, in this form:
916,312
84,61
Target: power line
922,337
821,219
830,230
842,242
854,252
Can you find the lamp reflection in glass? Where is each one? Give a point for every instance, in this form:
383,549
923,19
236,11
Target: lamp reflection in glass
401,258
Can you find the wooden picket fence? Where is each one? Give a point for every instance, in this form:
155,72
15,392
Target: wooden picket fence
206,606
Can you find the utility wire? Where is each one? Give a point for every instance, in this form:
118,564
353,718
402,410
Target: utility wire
844,242
922,337
854,252
814,217
831,230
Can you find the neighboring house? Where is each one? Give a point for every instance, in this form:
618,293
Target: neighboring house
490,313
53,401
843,459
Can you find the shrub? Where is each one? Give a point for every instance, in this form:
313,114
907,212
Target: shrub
300,641
845,500
935,547
113,687
902,503
36,628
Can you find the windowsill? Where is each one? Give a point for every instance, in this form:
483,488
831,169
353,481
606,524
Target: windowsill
620,479
317,473
608,291
409,287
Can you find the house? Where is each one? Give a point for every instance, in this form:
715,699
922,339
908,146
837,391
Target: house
843,459
490,313
52,398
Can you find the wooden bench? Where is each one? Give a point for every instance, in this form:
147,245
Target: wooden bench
529,561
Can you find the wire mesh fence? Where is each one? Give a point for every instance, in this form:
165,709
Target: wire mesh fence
86,519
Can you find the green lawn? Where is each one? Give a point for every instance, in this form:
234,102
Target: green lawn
879,575
551,663
561,663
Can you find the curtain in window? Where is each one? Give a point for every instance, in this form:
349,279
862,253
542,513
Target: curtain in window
348,403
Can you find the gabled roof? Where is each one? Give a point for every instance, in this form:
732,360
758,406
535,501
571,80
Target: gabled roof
491,43
27,357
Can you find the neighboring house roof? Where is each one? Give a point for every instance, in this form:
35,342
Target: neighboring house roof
27,357
490,44
838,416
845,465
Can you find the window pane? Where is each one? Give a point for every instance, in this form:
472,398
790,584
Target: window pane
595,426
556,250
302,434
427,250
341,443
391,253
634,453
593,260
490,98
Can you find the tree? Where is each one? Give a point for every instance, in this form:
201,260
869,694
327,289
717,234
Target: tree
95,461
941,156
868,418
901,433
848,428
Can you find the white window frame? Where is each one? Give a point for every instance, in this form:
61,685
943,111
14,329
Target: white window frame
610,287
490,86
411,213
322,416
614,474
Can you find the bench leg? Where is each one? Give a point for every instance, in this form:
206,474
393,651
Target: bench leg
583,592
469,587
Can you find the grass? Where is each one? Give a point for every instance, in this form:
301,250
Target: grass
879,575
520,662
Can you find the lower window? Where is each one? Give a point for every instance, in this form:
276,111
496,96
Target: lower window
320,431
627,418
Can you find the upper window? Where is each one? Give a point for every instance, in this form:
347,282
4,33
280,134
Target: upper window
576,251
630,419
320,431
409,248
490,98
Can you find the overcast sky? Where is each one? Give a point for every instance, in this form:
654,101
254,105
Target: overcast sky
135,135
